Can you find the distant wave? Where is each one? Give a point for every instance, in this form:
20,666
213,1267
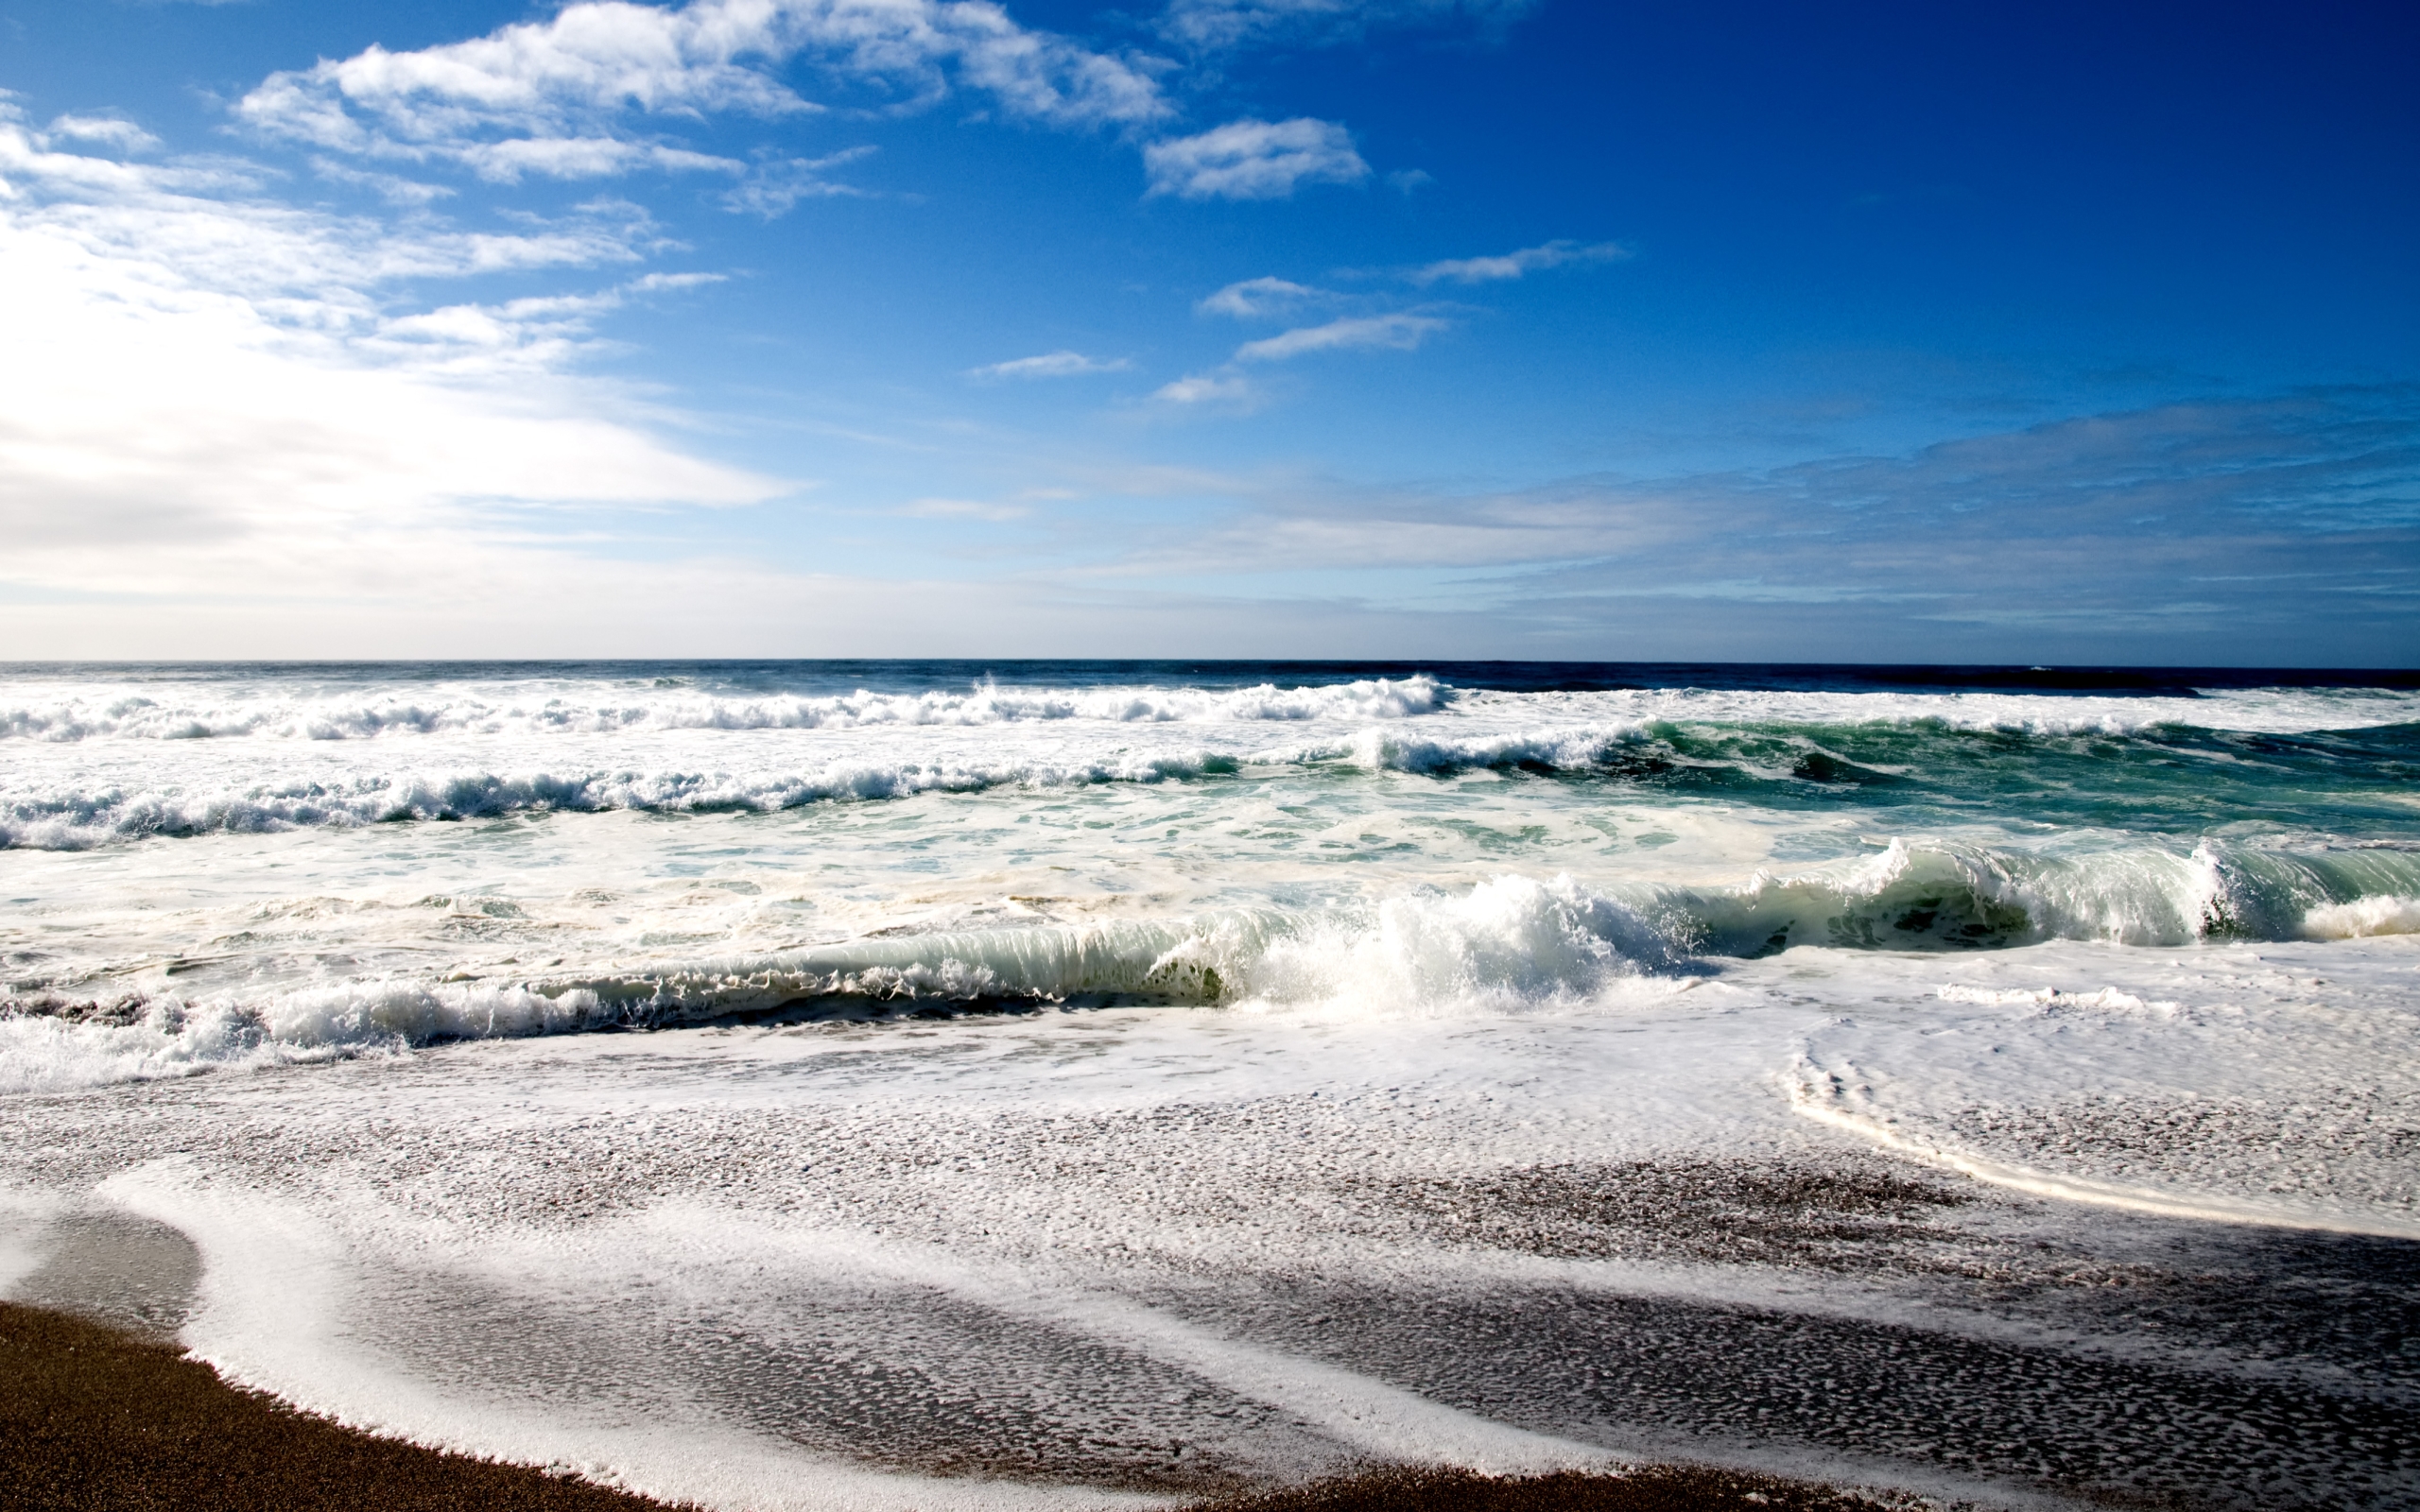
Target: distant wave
269,709
1510,944
79,818
116,714
77,802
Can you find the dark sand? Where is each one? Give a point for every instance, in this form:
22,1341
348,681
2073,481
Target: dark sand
92,1417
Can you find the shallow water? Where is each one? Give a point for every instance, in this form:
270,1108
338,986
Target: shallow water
1091,1081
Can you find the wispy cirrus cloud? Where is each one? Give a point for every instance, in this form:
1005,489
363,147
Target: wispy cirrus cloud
775,184
1212,25
1253,160
961,510
541,334
206,225
104,131
1223,389
2225,524
1227,387
213,396
1399,333
392,188
1517,264
1051,365
1261,298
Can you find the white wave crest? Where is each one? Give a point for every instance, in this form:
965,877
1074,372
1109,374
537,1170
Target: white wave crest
492,709
1509,944
281,707
76,819
2362,918
168,1037
1404,751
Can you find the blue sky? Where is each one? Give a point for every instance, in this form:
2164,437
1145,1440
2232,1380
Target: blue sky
1199,327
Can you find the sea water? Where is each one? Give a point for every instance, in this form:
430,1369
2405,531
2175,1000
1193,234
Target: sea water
900,1084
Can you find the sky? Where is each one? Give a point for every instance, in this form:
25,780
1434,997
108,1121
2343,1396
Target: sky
1537,329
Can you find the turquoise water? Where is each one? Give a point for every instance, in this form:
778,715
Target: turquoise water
653,843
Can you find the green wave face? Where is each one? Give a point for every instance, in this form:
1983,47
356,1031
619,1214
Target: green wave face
2168,780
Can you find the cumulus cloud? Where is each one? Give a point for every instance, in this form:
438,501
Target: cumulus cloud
1259,299
1253,160
1212,25
1401,333
1514,264
1051,365
550,96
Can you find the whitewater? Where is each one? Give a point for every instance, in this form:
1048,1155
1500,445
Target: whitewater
1093,1083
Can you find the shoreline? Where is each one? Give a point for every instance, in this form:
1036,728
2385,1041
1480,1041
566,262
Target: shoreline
102,1417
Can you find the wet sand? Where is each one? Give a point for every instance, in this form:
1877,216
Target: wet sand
1814,1311
97,1418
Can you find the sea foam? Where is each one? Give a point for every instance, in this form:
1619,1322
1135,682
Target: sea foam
1509,944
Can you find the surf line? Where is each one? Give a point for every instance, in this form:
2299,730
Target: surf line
1808,1102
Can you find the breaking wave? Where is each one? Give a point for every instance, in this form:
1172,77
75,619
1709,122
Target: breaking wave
1510,944
79,819
77,803
294,708
119,715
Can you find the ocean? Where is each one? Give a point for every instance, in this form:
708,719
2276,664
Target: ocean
1093,1083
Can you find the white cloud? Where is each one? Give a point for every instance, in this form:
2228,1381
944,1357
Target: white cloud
775,185
1259,299
108,130
1209,388
1253,160
1401,332
209,398
580,157
545,96
1226,388
202,225
1221,23
1513,264
530,335
1050,365
395,190
961,510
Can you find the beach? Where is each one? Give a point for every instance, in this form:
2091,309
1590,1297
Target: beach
1121,1087
103,1418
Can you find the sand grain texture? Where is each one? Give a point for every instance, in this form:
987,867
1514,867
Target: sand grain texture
98,1420
93,1418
